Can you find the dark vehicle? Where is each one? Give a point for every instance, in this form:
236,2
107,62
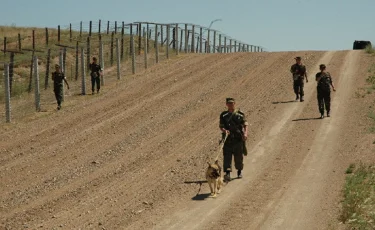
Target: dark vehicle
360,45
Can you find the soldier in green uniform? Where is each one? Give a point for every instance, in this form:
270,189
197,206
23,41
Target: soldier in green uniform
234,124
299,73
325,83
58,79
96,72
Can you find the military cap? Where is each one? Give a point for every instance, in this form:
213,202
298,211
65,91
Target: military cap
298,58
230,100
322,66
57,66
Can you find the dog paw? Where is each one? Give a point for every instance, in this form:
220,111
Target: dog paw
213,195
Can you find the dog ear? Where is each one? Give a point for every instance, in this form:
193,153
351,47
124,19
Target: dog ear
208,163
217,162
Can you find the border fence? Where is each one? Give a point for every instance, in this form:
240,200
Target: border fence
122,47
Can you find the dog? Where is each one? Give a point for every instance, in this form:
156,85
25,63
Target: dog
214,178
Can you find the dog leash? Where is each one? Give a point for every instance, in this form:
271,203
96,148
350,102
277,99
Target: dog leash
222,141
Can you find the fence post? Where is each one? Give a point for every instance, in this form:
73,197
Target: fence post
167,46
208,41
181,38
5,45
115,27
7,93
161,35
47,37
201,40
156,44
239,47
193,38
219,43
139,38
147,38
11,71
62,67
132,48
235,45
19,42
34,40
214,43
100,26
247,49
58,34
77,61
146,50
70,32
101,61
88,51
225,45
108,27
83,71
90,28
37,91
122,40
231,47
80,29
47,68
112,47
118,58
176,38
186,38
31,72
64,60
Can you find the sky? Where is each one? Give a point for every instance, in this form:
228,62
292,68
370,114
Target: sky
276,25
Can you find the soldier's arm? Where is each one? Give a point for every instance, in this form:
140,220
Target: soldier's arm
318,77
66,82
331,83
221,125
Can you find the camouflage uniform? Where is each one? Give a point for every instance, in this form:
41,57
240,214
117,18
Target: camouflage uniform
58,81
234,144
95,76
324,92
298,72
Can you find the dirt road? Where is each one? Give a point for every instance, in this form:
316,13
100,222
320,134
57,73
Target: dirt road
132,157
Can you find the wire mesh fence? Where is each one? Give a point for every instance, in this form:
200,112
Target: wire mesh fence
122,49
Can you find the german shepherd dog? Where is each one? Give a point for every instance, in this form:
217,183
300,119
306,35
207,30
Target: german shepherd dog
214,178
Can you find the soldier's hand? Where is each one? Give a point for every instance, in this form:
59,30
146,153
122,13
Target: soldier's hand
244,137
307,81
333,88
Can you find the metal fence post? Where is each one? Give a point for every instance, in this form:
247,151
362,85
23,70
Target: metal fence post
219,43
132,48
47,68
146,50
231,47
77,61
186,38
112,41
83,71
193,38
7,93
88,51
61,63
118,58
37,91
176,38
167,45
156,44
225,45
208,41
101,61
200,40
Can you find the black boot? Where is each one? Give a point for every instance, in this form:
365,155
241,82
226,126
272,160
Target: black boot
227,176
239,175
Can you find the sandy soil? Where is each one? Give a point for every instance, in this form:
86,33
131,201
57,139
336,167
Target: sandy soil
133,156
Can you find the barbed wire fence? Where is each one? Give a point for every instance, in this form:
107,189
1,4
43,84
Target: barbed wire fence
122,49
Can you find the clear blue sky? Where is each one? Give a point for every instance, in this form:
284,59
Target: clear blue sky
277,25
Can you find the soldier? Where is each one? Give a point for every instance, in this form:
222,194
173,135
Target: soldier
299,73
58,77
325,83
96,72
234,124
